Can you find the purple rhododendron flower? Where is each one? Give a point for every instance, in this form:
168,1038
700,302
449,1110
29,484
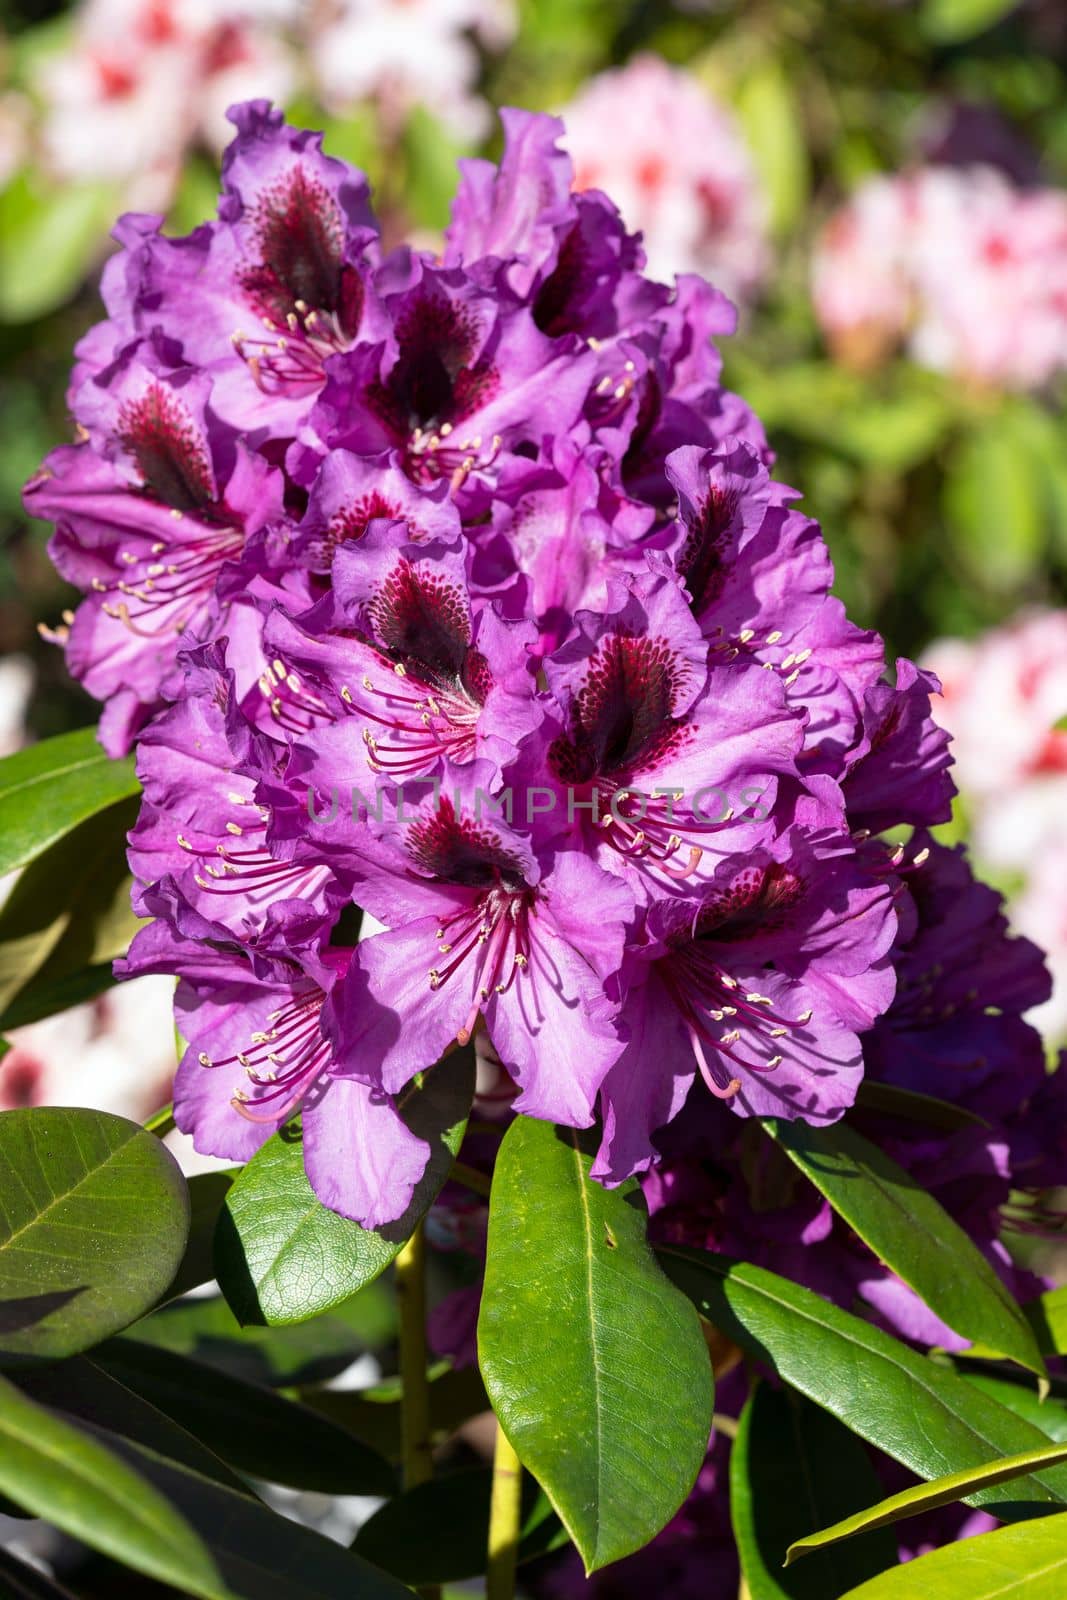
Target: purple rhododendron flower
458,591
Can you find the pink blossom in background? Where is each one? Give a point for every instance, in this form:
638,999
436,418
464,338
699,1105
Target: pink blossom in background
408,52
969,270
676,165
1003,695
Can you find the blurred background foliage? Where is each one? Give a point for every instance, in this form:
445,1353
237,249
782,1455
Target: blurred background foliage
944,501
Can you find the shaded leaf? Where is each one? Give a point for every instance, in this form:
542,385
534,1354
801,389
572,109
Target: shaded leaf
71,1480
439,1532
261,1555
207,1195
792,1466
83,1389
455,1395
94,1216
282,1257
595,1365
248,1425
908,1104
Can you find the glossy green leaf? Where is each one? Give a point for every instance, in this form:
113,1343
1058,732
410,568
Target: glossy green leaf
282,1257
68,910
946,1491
94,1216
1026,1562
47,789
439,1531
248,1425
922,1414
261,1555
305,1352
73,1481
1048,1415
595,1365
910,1231
793,1466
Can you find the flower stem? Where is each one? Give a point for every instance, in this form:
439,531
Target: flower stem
505,1516
415,1403
415,1410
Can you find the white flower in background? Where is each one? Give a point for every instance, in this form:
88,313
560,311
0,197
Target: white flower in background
407,52
16,687
966,267
675,163
142,78
1003,695
115,1053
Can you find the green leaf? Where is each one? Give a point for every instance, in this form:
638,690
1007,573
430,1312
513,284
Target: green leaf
595,1365
770,119
94,1216
46,790
68,910
908,1230
261,1555
282,1257
946,1491
950,21
50,238
793,1465
439,1531
993,504
921,1414
247,1425
1048,1317
1049,1416
431,153
73,1481
1027,1562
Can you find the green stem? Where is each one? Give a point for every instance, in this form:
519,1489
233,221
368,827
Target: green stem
417,1453
415,1410
505,1520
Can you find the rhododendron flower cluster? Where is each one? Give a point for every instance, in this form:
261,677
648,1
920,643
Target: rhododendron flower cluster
1005,696
458,590
957,263
676,164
